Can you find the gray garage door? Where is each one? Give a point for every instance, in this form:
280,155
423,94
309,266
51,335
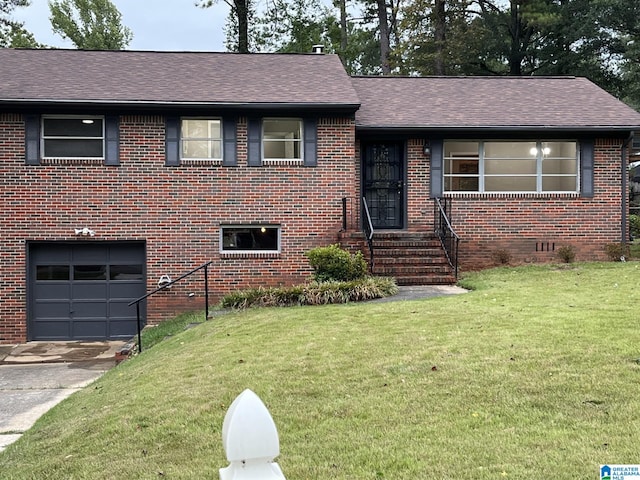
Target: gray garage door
81,291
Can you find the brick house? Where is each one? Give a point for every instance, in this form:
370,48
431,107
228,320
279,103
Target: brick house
121,170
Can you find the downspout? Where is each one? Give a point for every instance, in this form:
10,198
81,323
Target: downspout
625,175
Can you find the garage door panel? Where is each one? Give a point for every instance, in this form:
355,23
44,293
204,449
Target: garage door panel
89,290
91,254
58,291
125,290
88,309
60,254
119,309
122,328
54,330
124,255
88,329
52,310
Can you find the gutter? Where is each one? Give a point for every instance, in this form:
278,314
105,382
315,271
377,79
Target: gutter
624,234
171,105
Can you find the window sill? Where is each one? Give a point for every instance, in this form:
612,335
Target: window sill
192,162
282,161
71,161
249,254
532,195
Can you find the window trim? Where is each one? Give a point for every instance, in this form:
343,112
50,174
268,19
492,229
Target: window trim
220,140
43,138
250,252
539,175
300,141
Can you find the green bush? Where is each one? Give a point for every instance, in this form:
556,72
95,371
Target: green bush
314,293
634,225
332,263
617,252
567,253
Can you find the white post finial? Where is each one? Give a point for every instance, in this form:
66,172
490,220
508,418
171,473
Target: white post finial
250,440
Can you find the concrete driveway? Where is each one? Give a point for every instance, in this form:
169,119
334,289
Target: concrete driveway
36,376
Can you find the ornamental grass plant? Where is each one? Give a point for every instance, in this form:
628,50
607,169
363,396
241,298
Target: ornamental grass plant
533,374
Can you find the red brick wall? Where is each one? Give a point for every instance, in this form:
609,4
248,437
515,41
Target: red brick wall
177,211
527,227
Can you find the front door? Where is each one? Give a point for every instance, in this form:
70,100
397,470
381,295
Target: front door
383,177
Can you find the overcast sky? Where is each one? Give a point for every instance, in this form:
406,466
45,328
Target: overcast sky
176,25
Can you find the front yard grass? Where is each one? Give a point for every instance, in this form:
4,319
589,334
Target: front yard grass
533,374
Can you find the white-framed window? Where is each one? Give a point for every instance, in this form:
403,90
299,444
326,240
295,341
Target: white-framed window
282,138
72,136
512,166
250,238
201,139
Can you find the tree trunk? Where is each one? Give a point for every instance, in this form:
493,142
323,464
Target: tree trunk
515,55
242,14
343,26
384,37
439,22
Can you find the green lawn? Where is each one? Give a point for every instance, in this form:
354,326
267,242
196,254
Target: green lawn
534,374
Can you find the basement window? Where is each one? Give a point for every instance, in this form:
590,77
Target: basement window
250,238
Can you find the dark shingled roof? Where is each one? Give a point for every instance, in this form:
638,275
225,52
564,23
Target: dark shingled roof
489,103
174,78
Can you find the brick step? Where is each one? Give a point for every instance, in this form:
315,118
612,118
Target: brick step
406,252
426,280
411,260
397,270
423,244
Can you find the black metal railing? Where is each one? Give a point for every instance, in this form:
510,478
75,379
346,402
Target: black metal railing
443,229
368,232
167,285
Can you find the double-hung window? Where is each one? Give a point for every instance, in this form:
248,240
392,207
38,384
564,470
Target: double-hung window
282,139
201,139
73,137
511,166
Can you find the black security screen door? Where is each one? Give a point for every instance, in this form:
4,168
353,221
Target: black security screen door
383,168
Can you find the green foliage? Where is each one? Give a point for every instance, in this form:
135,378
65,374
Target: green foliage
599,40
634,225
334,263
501,256
12,33
90,24
315,293
567,253
153,335
617,252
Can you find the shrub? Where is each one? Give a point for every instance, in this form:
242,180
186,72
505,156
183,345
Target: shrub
314,293
617,252
567,253
332,263
634,225
501,256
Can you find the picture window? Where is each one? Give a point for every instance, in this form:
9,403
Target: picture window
253,238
